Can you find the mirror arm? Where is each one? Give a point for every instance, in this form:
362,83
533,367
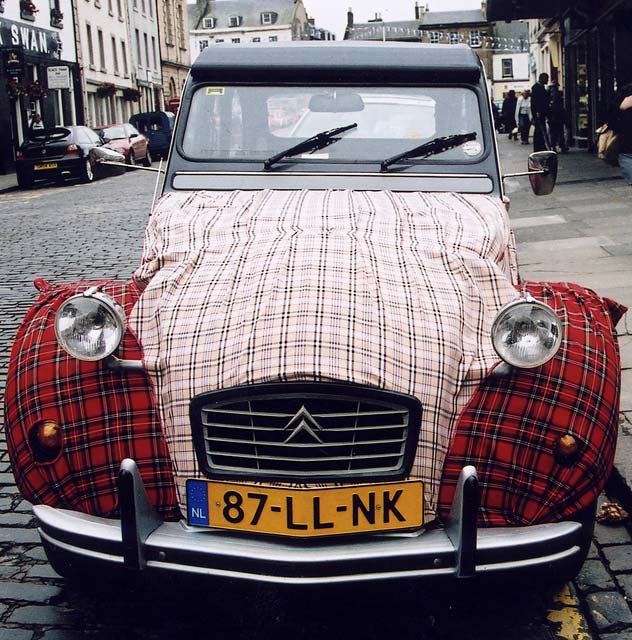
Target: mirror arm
526,173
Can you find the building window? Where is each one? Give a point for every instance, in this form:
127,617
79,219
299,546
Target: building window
273,38
138,56
115,57
454,37
257,39
266,17
110,8
124,58
169,38
209,23
146,50
234,21
475,38
143,8
153,52
90,46
101,50
151,8
203,44
182,35
435,37
507,67
119,8
136,5
219,40
236,40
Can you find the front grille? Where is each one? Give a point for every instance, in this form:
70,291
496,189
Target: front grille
301,431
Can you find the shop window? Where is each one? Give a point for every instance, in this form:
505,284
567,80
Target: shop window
507,68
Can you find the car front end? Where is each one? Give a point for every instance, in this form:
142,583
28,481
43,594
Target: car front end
326,367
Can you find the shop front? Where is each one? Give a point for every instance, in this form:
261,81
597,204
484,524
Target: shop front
34,79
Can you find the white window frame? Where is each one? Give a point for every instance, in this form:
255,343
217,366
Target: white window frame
509,74
266,17
453,37
234,21
435,37
475,39
209,23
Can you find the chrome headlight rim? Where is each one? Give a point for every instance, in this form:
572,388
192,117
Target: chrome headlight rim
527,300
111,306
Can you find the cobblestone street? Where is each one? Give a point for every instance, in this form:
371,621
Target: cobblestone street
582,233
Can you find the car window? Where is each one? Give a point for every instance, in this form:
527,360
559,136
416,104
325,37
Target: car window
114,133
81,135
250,122
132,131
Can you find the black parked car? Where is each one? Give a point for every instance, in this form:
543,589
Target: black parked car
59,153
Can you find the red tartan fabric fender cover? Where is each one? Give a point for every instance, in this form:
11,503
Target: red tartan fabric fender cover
105,415
511,425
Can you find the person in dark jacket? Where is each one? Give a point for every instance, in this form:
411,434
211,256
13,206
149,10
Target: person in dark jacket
509,114
557,119
540,112
620,122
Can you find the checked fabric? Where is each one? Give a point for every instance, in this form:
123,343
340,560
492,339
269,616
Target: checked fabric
394,290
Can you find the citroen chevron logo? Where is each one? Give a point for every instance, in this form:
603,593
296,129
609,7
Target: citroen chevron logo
303,422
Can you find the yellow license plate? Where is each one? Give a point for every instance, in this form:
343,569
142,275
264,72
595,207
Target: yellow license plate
305,512
46,165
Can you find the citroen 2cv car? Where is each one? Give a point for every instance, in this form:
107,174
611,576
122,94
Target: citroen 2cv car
326,367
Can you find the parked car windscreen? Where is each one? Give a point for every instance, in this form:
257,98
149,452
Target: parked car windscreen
256,122
114,133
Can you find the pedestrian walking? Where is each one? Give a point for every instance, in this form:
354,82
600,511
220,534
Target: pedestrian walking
620,122
523,115
509,114
540,112
557,119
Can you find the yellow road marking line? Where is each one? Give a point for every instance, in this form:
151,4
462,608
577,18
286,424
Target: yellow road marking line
566,618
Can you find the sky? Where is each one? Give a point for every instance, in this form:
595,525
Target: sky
332,14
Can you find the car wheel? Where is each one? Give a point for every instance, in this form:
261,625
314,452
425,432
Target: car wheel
25,179
87,174
131,159
147,160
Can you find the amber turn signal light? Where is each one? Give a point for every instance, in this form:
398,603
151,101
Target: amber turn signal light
566,446
46,439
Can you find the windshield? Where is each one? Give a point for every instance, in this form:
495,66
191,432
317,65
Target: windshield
114,133
257,122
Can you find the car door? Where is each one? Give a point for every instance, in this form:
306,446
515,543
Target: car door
138,142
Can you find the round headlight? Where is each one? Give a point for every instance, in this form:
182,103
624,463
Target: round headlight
90,325
526,333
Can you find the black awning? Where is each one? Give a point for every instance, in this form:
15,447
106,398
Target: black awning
521,9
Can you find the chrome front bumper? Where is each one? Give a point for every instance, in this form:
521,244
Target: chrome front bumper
141,541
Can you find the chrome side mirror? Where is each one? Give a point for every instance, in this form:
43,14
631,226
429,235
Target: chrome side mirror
542,172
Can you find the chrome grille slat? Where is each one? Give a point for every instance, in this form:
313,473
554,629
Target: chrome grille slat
309,461
316,445
305,431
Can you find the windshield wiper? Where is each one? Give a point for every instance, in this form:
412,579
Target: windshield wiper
431,148
315,143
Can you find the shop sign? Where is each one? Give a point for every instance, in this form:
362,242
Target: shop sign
28,38
13,62
58,78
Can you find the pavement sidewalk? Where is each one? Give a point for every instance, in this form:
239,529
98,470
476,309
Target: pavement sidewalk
8,181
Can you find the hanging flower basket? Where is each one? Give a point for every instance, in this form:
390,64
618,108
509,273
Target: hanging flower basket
56,17
28,9
131,94
14,88
106,89
35,90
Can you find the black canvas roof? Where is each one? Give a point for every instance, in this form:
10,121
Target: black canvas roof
362,62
